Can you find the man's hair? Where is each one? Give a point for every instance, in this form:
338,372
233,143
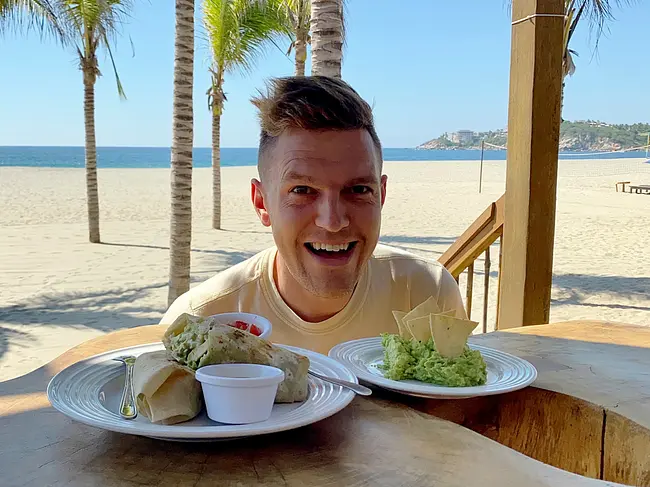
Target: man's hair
311,103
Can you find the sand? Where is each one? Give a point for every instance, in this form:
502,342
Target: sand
57,290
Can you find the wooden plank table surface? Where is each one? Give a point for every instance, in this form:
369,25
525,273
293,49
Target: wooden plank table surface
588,412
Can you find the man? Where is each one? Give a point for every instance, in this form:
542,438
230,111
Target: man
321,190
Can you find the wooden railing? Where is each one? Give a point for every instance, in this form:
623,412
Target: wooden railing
464,252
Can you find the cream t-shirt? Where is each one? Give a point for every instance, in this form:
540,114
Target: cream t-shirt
392,280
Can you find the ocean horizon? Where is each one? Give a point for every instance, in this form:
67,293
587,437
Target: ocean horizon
159,157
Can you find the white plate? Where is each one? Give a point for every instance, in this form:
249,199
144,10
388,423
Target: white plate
506,373
89,391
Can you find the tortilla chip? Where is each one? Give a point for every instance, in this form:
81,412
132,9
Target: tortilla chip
419,328
449,312
430,306
401,326
450,334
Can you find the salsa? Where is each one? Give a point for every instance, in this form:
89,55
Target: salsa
242,325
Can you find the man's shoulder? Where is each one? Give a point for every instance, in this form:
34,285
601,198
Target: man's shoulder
418,277
402,261
230,280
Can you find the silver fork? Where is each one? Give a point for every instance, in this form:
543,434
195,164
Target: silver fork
357,388
128,408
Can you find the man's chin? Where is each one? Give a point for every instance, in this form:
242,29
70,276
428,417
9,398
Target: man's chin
332,292
325,285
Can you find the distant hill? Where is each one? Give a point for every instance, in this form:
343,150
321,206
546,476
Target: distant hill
579,136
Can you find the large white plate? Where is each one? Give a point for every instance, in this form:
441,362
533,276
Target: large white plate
89,391
506,373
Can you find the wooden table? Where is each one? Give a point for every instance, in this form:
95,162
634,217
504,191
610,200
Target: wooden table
589,412
622,183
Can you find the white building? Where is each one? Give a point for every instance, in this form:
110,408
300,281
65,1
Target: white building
462,137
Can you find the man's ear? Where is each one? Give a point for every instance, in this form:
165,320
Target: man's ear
384,179
259,203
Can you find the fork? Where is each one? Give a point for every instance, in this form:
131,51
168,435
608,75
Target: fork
128,408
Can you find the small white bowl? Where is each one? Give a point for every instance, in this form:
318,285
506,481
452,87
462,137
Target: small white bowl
239,393
250,318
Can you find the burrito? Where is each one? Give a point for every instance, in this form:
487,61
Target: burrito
196,342
165,391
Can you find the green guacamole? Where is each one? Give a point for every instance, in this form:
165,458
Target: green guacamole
412,359
183,344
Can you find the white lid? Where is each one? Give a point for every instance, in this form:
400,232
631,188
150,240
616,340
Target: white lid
240,375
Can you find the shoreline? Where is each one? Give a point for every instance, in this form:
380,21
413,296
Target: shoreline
159,157
59,290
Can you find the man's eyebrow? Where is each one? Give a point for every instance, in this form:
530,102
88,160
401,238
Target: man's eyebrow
367,180
297,176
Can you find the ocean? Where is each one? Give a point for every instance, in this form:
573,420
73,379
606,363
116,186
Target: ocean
150,157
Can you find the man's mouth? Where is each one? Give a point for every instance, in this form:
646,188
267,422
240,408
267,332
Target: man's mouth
338,252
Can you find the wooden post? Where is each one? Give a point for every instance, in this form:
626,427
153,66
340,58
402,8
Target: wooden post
531,178
496,325
480,178
486,288
470,287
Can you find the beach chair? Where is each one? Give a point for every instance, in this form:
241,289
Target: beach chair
640,189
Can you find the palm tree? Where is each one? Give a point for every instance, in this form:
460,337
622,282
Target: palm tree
326,37
599,13
571,20
238,30
90,25
181,152
30,13
299,14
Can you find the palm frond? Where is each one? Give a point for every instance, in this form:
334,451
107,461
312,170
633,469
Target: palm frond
240,30
598,12
120,88
31,14
93,25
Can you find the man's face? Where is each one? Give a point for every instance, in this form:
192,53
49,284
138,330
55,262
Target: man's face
322,194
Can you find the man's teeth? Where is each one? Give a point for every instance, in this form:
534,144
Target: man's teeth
330,247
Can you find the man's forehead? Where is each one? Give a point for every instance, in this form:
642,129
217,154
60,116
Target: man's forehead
350,153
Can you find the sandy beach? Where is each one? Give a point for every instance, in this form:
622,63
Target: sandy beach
57,290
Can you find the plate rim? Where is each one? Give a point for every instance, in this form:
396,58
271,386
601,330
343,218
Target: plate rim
430,390
167,432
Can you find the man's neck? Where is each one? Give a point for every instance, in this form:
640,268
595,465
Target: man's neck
306,305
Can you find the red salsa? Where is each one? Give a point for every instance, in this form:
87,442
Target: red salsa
242,325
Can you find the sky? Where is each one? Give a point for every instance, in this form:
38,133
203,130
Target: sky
426,67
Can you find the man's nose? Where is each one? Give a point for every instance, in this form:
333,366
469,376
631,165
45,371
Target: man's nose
332,214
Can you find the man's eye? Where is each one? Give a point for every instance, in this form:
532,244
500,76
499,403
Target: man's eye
302,190
360,189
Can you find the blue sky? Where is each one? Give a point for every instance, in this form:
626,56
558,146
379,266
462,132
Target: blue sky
429,68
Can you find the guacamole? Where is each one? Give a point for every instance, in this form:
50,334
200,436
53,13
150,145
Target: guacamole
192,336
413,359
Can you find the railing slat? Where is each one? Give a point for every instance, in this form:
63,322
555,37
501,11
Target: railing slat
486,288
496,325
470,285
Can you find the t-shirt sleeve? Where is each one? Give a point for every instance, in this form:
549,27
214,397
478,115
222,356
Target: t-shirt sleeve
181,305
449,296
430,278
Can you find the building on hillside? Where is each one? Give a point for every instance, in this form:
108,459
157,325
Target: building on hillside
462,137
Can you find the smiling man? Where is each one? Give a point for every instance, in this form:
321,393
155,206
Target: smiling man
321,191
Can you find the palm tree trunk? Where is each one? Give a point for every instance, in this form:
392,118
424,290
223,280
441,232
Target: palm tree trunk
216,167
301,51
181,153
92,192
326,37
